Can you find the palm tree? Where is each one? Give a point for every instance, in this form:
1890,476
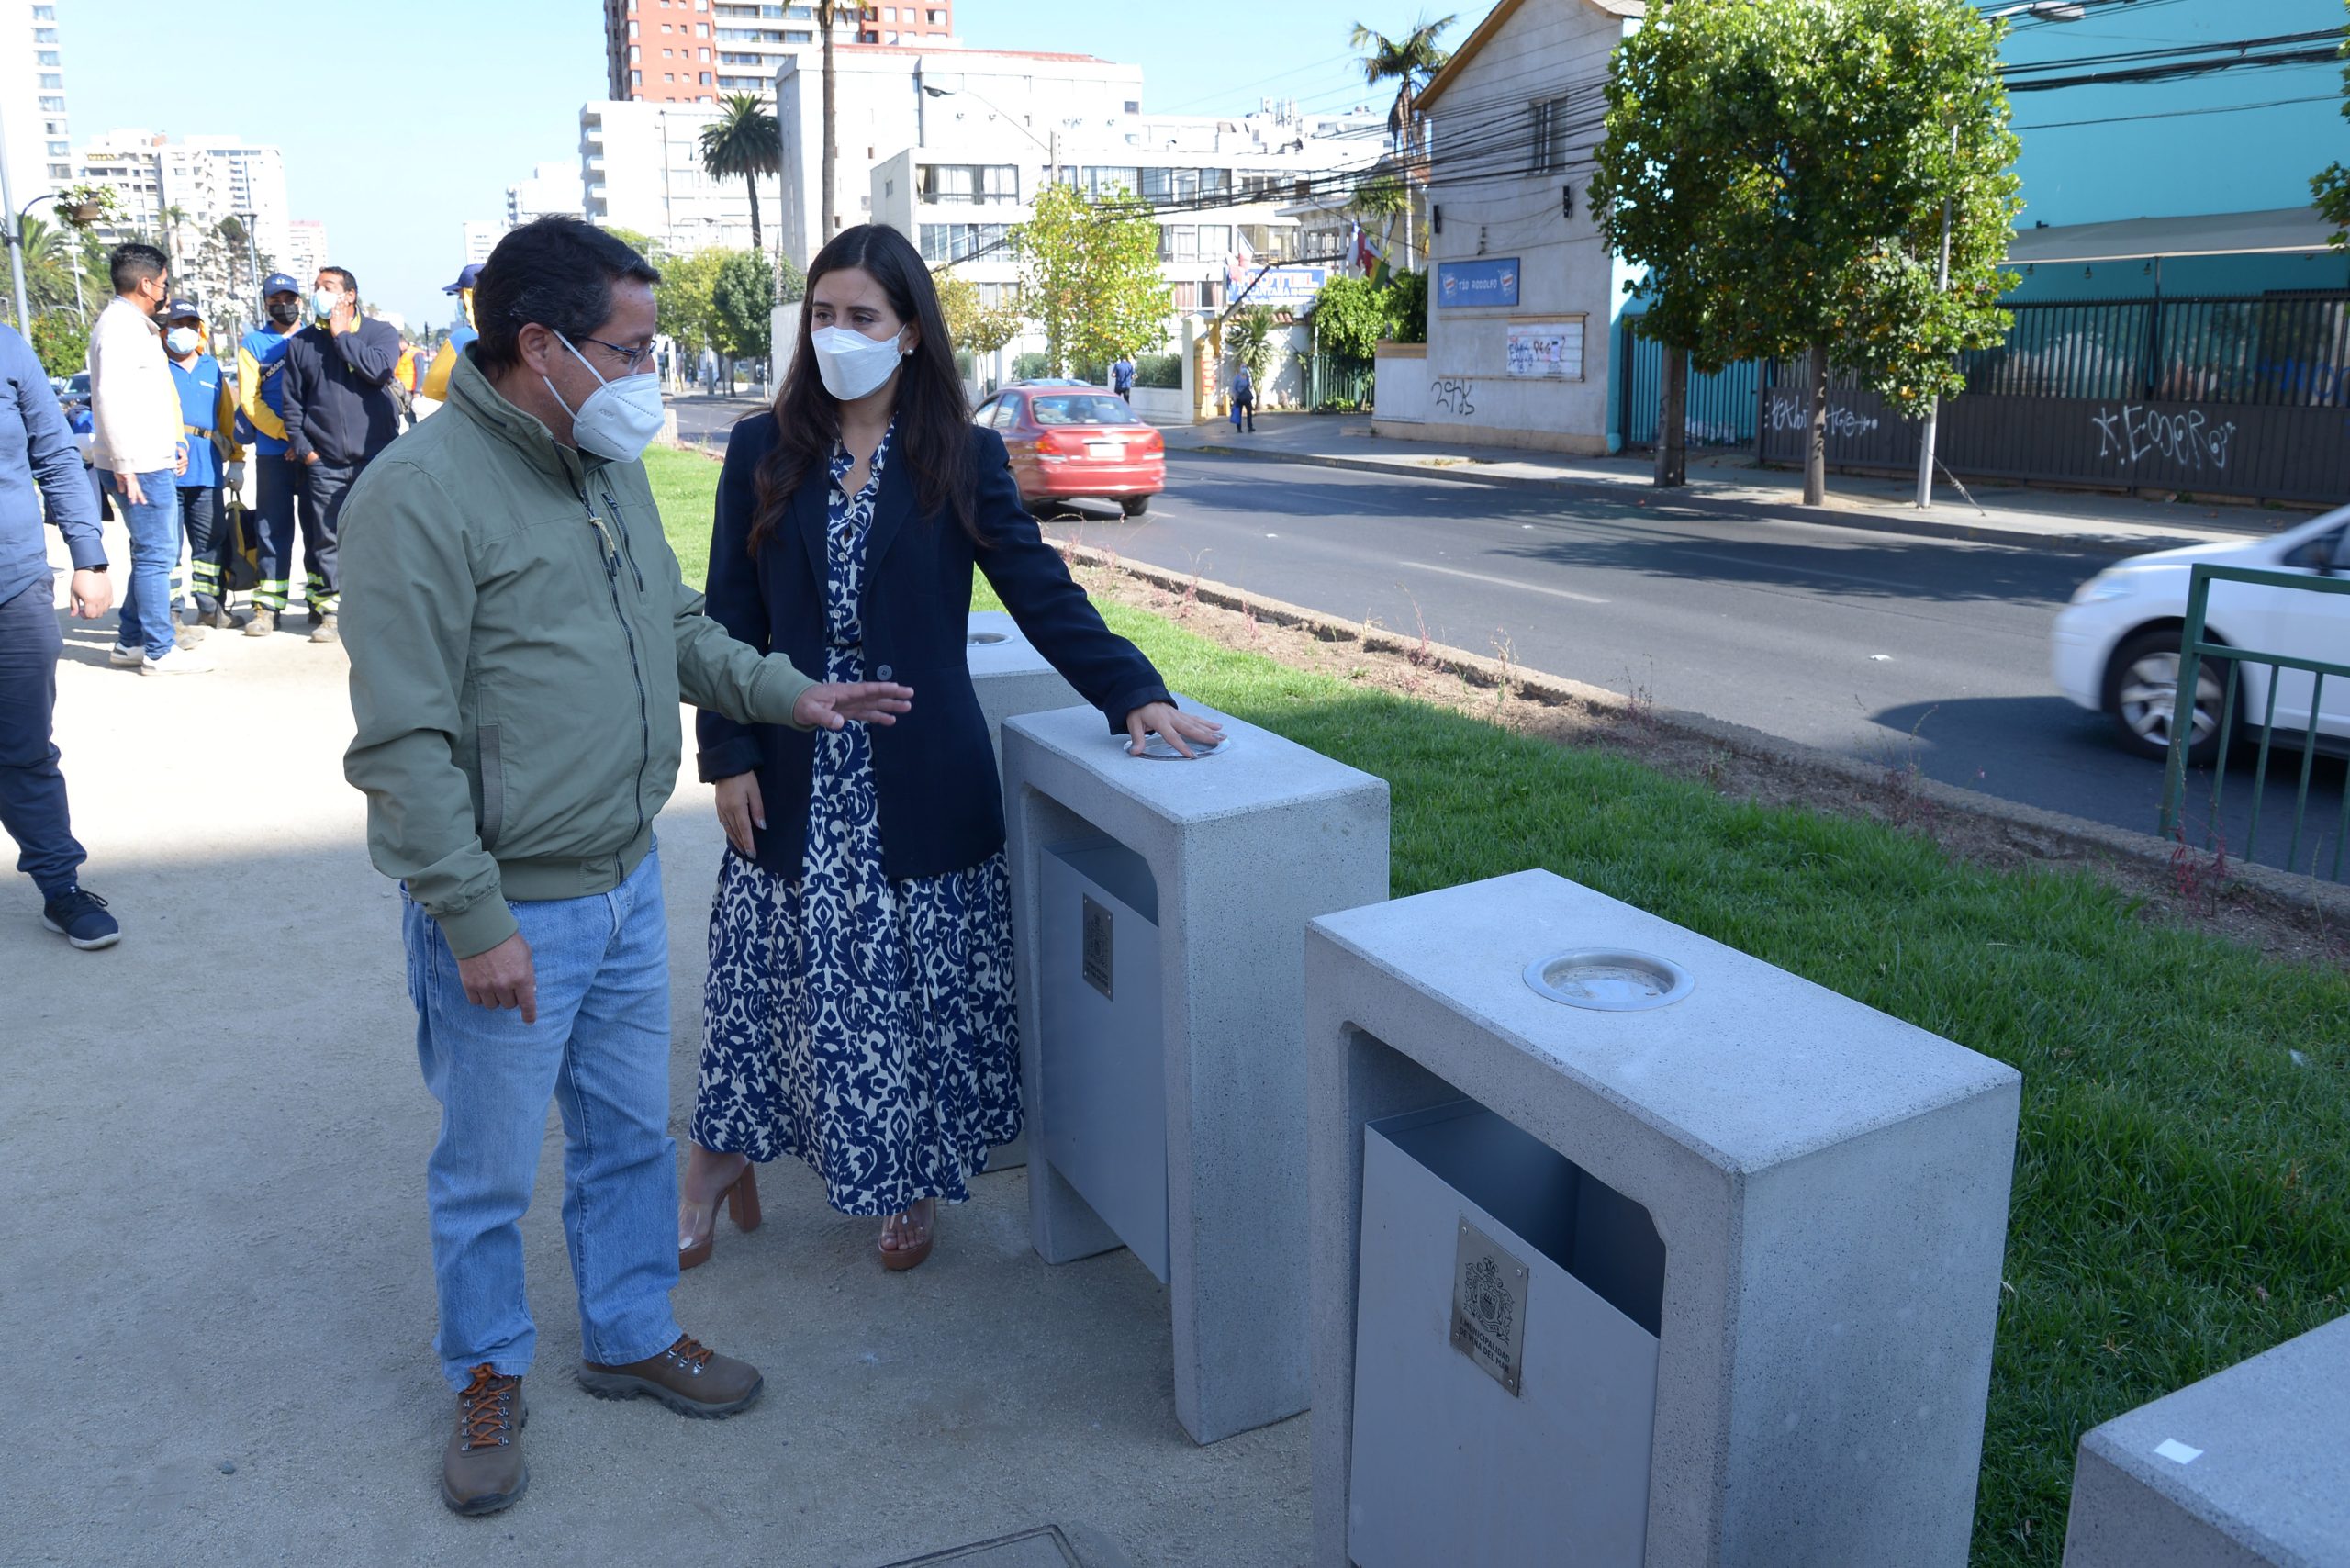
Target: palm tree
745,141
1410,62
828,12
49,264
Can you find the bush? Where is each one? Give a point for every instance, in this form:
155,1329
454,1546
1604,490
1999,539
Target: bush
1407,307
1028,366
1160,370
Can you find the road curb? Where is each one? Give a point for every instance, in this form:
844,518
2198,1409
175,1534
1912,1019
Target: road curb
2103,545
2043,834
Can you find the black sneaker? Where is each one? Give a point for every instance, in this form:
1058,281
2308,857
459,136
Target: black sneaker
82,919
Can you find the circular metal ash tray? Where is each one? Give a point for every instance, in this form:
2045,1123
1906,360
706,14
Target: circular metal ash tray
984,639
1609,979
1156,749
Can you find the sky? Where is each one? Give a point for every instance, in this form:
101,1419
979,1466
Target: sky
406,137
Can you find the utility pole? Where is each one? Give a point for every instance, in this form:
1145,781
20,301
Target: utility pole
1933,409
14,240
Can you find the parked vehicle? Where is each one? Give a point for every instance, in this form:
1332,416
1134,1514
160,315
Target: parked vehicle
2116,646
1070,439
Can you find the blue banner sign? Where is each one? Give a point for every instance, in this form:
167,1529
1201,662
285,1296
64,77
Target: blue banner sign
1293,287
1488,280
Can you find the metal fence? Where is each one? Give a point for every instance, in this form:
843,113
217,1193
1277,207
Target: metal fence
2300,682
1722,407
1332,381
2290,350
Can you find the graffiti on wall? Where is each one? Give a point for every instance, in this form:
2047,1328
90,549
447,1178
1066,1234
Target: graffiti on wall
2190,438
1450,395
1792,413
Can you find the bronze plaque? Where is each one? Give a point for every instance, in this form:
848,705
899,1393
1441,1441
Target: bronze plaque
1489,1307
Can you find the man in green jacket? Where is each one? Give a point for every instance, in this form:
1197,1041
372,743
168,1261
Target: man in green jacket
520,640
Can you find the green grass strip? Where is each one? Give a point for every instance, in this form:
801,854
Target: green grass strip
2182,1193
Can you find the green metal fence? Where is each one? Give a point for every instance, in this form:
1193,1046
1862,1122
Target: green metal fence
1333,382
2194,646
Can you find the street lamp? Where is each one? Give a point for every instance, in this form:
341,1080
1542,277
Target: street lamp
1052,149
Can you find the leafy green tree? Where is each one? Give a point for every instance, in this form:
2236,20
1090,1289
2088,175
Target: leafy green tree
684,302
973,324
1350,317
742,301
1089,275
745,140
1782,167
1407,307
49,264
2330,189
61,340
1254,338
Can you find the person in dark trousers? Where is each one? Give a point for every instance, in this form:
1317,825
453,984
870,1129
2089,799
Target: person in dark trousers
208,423
37,450
859,1013
1244,399
1121,376
260,400
339,412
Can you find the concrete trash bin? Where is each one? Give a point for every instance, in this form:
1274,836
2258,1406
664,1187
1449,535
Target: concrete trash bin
1200,876
1010,677
1812,1194
2249,1468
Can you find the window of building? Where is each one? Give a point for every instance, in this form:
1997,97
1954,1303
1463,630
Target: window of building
636,78
46,57
632,27
44,35
1215,240
48,79
668,76
61,149
1551,132
1101,179
701,30
705,55
636,53
1187,297
1187,242
705,79
44,13
938,20
668,54
1134,106
959,241
980,184
888,13
60,170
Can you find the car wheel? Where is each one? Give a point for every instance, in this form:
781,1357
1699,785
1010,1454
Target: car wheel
2141,698
1133,506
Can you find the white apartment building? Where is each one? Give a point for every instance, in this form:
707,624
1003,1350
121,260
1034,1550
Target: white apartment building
306,250
555,188
177,194
1015,104
38,151
480,240
641,163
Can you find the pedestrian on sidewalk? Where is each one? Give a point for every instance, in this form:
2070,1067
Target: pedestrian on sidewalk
1244,399
1122,375
860,1011
339,412
208,426
261,401
138,412
709,371
37,449
516,737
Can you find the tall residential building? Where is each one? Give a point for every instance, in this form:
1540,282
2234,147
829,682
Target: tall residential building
180,195
305,248
552,189
32,101
696,51
480,238
641,164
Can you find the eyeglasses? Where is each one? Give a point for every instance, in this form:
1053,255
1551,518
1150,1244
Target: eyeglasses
630,358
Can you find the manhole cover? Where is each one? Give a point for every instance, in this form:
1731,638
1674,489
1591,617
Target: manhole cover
1609,979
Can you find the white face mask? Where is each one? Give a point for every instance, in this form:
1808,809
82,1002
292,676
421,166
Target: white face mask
180,340
853,364
620,418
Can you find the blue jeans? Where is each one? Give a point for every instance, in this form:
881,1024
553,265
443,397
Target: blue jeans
32,790
601,1051
147,621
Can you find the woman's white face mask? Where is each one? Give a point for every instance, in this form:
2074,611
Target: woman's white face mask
619,419
852,365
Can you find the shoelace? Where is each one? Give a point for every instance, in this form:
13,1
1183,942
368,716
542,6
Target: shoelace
690,1354
485,1415
77,901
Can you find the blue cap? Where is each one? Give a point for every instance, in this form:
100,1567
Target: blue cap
464,279
183,311
278,283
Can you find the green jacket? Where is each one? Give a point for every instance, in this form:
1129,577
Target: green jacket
520,637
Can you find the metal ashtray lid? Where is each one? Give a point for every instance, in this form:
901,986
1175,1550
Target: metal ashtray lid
1610,980
1156,749
984,639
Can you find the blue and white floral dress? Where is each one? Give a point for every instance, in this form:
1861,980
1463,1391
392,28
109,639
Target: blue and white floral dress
866,1025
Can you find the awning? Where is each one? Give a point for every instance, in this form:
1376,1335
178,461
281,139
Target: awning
2290,231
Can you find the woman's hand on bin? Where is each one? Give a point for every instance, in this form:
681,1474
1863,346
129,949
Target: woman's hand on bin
1174,727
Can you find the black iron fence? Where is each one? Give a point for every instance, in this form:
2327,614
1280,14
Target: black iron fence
2288,351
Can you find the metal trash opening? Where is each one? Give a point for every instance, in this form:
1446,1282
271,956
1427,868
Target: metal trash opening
1610,980
1156,749
983,639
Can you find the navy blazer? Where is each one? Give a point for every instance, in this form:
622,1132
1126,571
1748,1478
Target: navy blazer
934,771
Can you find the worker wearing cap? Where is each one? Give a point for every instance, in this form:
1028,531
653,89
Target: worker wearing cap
261,406
208,426
461,333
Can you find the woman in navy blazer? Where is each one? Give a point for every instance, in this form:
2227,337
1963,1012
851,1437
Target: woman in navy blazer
860,1011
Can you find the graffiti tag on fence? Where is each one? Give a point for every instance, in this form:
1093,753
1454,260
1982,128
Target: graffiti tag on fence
1452,396
2190,438
1789,413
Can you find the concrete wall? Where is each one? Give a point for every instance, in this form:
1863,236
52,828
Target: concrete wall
1565,272
1400,396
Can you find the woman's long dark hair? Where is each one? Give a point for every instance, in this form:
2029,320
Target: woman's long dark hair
933,436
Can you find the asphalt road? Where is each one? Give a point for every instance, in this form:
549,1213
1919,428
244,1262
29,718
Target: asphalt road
1885,647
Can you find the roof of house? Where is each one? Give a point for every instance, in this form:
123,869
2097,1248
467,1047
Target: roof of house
2283,232
1494,22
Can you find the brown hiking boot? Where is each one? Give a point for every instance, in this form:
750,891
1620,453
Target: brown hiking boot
482,1469
689,1377
264,623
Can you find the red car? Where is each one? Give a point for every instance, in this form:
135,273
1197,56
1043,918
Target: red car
1068,439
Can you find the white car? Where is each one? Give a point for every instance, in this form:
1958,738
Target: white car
2116,646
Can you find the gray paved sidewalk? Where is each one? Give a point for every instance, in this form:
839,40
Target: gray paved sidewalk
2077,520
213,1263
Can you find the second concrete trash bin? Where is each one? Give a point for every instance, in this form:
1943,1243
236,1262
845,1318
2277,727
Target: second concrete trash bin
1218,865
1822,1189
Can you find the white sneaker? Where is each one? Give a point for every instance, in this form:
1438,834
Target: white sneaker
126,659
179,661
